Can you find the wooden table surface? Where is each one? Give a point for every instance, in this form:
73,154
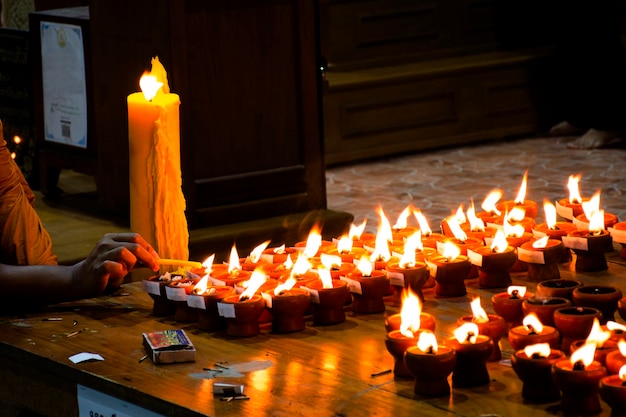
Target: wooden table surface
320,371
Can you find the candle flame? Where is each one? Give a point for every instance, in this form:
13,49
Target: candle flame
596,222
330,261
149,86
279,250
532,323
365,266
622,373
597,335
476,223
208,264
583,355
591,206
455,228
574,193
510,230
257,278
288,264
519,290
460,215
356,231
411,245
478,313
313,242
516,214
402,221
202,285
466,333
499,243
613,325
256,253
344,244
233,261
540,243
384,236
522,189
427,342
450,251
302,265
550,211
489,203
423,223
410,312
538,349
285,286
325,277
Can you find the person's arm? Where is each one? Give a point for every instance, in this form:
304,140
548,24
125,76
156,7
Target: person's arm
106,266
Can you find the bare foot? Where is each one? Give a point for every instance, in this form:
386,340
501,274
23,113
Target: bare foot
566,129
594,139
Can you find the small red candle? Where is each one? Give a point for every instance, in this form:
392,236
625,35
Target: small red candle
590,248
578,379
508,304
450,269
278,255
430,364
494,262
530,207
544,307
533,365
204,299
368,287
531,332
489,325
177,291
328,297
570,207
613,392
344,249
407,272
542,256
574,323
242,312
557,288
472,351
287,305
603,297
250,262
601,338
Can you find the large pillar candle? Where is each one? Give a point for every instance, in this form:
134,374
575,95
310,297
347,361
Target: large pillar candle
157,204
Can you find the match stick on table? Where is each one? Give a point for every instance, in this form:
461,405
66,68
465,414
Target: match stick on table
179,262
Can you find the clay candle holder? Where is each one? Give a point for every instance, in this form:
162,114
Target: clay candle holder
205,300
572,206
328,297
368,287
574,323
489,325
533,366
177,291
242,312
278,255
344,249
508,304
582,222
494,262
590,249
579,379
287,305
554,230
532,332
542,256
155,287
450,271
472,351
601,338
544,307
618,234
562,288
430,364
397,343
613,392
604,298
412,275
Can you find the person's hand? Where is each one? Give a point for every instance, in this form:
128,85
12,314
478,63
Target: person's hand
109,262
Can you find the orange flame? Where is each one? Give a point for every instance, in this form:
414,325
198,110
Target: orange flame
540,243
574,193
279,249
256,253
622,373
330,261
476,223
466,333
489,203
596,222
450,251
257,278
532,323
538,349
597,335
411,245
325,277
233,261
285,286
356,231
583,355
621,345
402,221
550,211
455,228
149,85
613,325
516,214
423,223
499,243
427,342
313,242
301,266
344,244
208,264
521,195
365,266
478,313
202,285
410,312
512,230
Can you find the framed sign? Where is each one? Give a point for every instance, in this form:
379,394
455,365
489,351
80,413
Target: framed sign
64,84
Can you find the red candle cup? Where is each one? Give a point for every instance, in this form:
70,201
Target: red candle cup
582,223
521,336
470,369
568,210
397,344
613,391
542,262
346,256
544,307
328,303
177,292
562,288
367,291
393,321
618,234
220,275
412,277
601,352
590,249
470,243
535,373
495,328
287,309
602,297
449,275
493,267
206,306
579,387
430,370
531,208
509,306
242,316
430,240
560,229
278,255
155,287
574,323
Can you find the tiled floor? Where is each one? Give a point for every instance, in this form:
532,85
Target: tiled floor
437,182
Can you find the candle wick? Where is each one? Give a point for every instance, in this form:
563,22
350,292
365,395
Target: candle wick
514,294
430,350
469,336
556,227
579,366
531,330
536,355
623,383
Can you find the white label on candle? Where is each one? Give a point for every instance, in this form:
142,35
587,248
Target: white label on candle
564,211
618,235
353,285
440,247
315,295
475,258
268,299
432,267
216,281
495,226
151,287
396,278
538,234
176,294
196,301
575,242
226,310
531,256
580,225
488,240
